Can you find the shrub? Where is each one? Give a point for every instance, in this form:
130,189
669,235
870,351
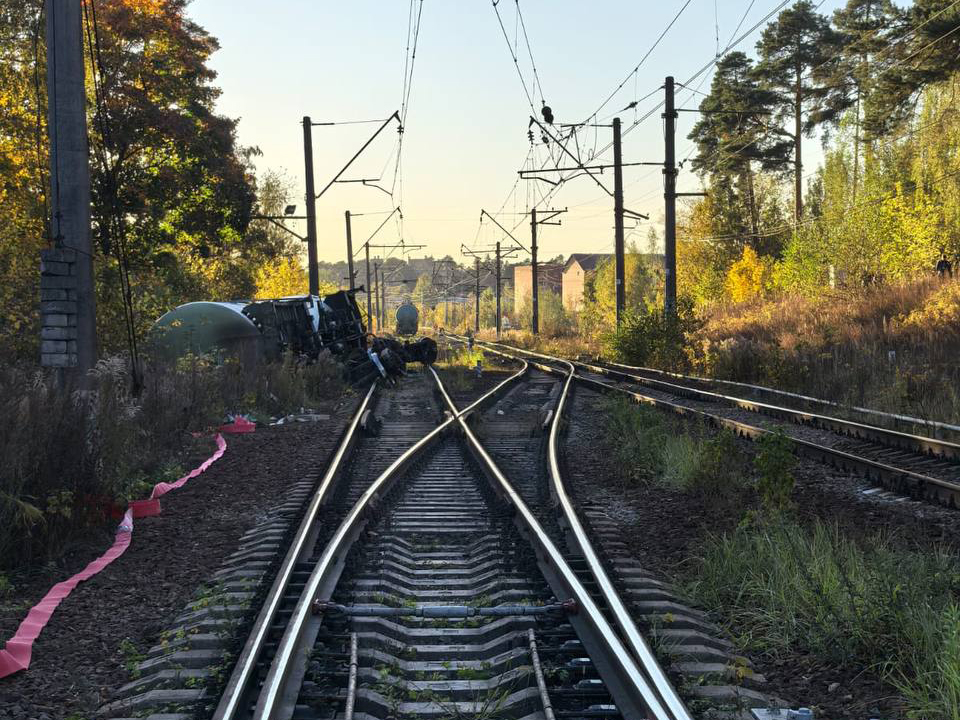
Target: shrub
654,338
67,455
636,436
774,462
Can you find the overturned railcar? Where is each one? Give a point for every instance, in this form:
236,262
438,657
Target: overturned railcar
303,325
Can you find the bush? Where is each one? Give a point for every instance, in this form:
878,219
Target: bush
68,455
636,436
654,338
774,462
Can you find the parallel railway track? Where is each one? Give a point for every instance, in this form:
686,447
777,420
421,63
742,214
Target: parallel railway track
915,466
425,582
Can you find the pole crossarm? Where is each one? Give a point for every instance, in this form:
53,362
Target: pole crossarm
580,165
395,116
635,215
380,227
275,221
509,234
367,182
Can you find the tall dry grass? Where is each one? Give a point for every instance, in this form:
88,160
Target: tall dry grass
69,455
894,348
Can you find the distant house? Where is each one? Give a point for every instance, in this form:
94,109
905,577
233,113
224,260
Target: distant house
575,273
549,277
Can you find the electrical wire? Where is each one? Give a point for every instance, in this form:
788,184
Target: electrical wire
513,56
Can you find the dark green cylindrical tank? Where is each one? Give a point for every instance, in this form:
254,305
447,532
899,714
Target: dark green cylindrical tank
208,328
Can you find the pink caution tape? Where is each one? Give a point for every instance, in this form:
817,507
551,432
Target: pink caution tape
16,654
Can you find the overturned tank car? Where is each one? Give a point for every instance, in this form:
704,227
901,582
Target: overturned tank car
303,325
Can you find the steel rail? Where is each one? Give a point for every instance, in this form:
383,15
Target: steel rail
634,696
639,647
895,438
912,483
237,686
936,425
281,686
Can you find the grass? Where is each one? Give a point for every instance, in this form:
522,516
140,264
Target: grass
783,587
652,448
69,455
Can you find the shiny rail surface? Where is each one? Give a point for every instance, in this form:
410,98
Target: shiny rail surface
627,677
281,686
946,431
908,482
238,684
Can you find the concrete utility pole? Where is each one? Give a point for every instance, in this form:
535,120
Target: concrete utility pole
546,220
670,202
476,321
618,221
383,303
366,247
353,283
498,288
535,289
68,302
376,291
311,199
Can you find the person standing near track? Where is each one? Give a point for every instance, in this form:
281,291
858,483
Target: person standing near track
944,266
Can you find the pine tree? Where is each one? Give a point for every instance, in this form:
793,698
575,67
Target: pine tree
924,49
849,81
731,135
799,42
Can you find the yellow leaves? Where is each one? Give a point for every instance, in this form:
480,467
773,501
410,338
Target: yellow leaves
285,276
941,310
748,278
149,8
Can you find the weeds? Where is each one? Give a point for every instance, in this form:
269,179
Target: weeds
872,604
774,462
648,447
70,455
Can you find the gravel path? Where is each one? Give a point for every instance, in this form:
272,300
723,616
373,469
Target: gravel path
78,661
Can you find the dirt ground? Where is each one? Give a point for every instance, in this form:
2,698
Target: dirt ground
77,660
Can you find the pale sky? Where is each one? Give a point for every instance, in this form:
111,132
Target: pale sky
465,133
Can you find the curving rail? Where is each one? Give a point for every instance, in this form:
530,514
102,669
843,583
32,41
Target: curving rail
627,677
901,479
280,688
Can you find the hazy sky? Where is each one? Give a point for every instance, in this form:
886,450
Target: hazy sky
465,134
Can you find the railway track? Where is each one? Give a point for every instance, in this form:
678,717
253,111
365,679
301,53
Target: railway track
903,464
423,583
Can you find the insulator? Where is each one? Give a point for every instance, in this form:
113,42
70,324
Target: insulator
547,114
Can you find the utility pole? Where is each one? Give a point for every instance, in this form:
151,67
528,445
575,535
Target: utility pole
68,300
311,198
476,321
618,209
383,303
498,289
376,291
550,214
366,247
350,252
618,221
535,290
670,202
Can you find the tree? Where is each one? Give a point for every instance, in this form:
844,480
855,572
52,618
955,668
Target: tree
798,42
172,192
849,81
731,133
924,49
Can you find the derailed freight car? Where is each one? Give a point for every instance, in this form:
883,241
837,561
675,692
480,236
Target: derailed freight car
303,325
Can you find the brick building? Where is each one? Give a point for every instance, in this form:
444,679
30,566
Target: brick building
549,277
578,268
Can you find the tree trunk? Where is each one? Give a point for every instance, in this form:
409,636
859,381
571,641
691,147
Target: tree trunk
752,206
798,145
856,149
